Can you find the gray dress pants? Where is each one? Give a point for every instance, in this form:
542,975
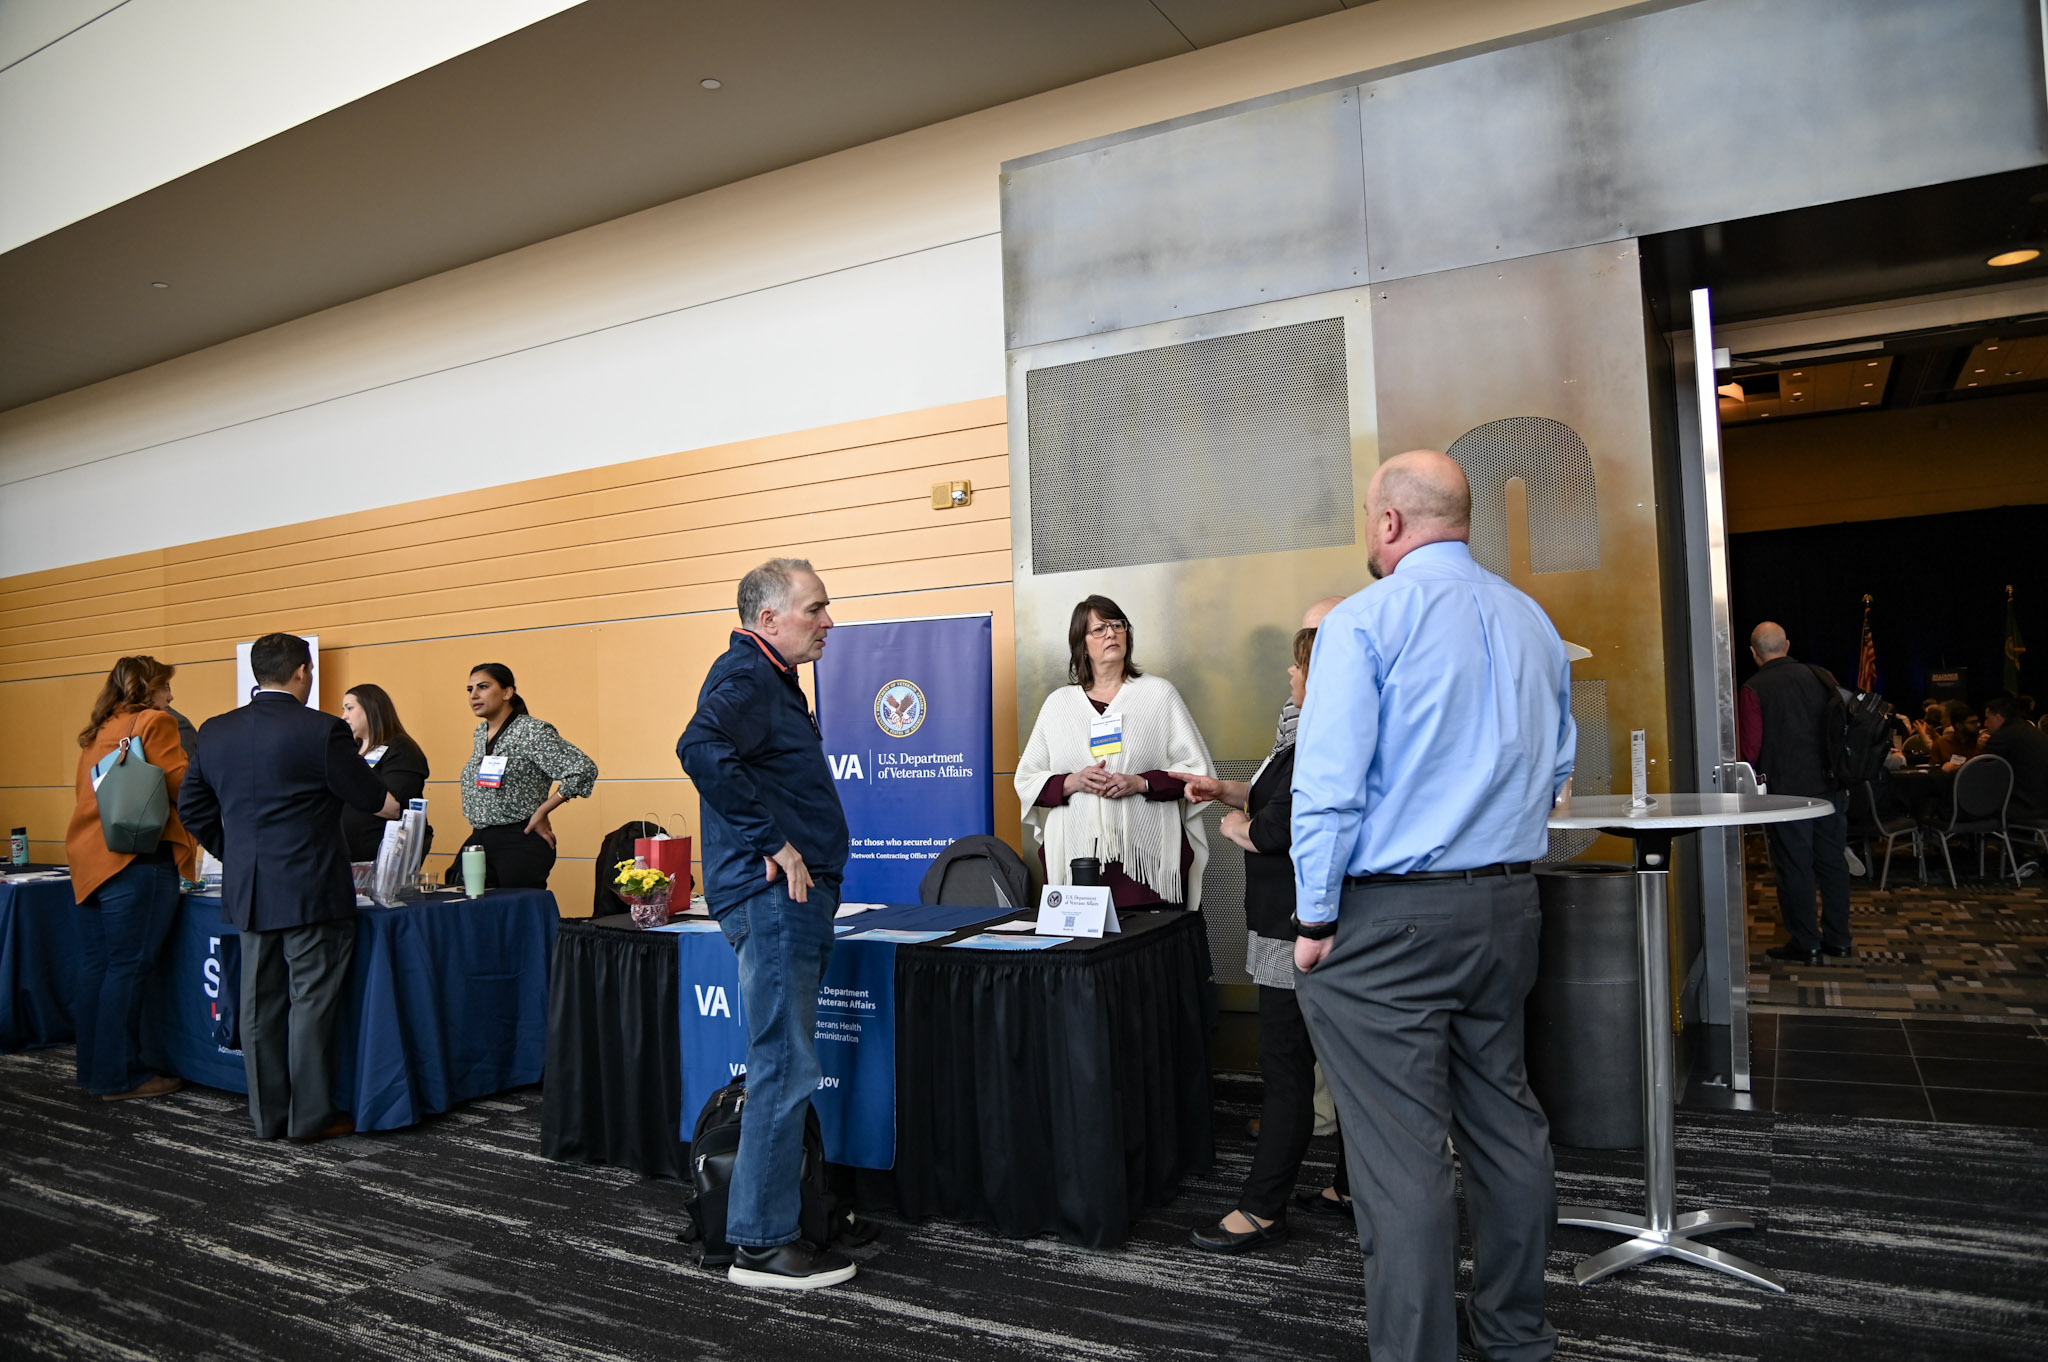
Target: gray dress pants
1416,1015
293,983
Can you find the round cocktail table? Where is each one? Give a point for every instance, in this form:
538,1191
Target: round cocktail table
1660,1232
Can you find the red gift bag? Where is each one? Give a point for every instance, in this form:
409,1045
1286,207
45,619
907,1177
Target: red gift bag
670,855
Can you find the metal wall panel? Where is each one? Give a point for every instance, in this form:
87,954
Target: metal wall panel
1263,204
1558,337
1718,110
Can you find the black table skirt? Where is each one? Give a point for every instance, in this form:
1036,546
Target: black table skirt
1058,1091
614,1090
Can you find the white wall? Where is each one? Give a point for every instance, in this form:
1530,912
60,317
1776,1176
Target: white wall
100,102
857,285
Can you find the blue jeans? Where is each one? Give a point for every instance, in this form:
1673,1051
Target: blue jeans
783,947
122,927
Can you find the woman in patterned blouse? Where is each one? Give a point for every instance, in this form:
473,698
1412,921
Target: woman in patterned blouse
507,787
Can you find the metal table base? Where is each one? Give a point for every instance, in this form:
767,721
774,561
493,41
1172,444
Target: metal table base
1659,1232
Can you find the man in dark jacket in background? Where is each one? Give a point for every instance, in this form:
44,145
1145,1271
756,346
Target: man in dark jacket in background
775,849
2008,734
1781,718
264,794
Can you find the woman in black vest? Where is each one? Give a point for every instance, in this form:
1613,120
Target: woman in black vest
1287,1062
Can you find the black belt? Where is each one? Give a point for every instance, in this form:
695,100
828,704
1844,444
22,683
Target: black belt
1427,876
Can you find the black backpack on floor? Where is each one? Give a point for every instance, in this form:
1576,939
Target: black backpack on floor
715,1142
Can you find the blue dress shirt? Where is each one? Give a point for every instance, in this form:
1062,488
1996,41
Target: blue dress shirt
1437,732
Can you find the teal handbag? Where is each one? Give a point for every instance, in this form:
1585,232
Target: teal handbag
135,800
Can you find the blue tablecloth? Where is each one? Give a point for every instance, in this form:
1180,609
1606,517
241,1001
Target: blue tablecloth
38,961
856,1032
448,1000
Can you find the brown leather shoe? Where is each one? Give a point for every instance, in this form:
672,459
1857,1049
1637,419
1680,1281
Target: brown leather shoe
158,1086
340,1126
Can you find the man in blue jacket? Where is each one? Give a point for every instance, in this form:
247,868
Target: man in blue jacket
775,848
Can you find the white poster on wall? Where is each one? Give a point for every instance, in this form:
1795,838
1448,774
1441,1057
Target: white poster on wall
245,679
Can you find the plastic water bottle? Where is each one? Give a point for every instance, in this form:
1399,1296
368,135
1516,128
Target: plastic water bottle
17,847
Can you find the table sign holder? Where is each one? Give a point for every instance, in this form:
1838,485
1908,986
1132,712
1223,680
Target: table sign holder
1660,1231
1639,771
1076,910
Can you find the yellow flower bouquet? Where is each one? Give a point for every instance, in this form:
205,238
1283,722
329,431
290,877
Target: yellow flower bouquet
645,891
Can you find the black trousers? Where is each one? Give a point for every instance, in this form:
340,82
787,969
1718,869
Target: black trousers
293,983
1416,1013
1287,1063
513,857
1804,855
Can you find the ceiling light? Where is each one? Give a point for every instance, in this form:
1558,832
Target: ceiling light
711,82
158,283
2012,373
1976,371
1991,347
1732,391
1798,397
1870,385
1870,364
1971,384
1864,403
2018,257
1799,373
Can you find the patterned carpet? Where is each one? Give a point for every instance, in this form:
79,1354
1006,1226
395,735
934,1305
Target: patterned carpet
1980,950
161,1230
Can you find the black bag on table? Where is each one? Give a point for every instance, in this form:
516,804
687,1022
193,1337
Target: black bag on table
715,1143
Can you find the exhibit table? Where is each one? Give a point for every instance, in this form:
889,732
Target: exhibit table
38,962
447,1001
447,997
1055,1090
1660,1232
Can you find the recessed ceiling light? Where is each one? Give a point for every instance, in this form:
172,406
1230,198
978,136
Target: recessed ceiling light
158,283
2012,373
711,82
1976,371
1870,364
1798,397
1864,403
1799,373
2018,257
1990,347
1971,384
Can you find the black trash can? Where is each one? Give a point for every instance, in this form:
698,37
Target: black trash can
1584,1017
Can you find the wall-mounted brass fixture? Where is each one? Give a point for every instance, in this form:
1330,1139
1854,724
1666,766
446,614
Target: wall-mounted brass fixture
947,495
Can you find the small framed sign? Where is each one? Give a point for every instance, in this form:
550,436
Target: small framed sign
1076,910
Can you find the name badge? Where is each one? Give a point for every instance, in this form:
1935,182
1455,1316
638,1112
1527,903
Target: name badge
490,774
1105,735
1076,910
375,755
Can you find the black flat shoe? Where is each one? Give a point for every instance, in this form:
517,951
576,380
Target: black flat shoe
1793,955
1216,1239
1838,952
1315,1203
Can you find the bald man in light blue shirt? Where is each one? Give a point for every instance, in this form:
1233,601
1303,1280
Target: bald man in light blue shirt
1436,736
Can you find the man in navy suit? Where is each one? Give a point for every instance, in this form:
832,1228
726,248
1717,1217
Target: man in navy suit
264,794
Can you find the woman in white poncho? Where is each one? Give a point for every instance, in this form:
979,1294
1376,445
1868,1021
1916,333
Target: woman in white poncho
1106,767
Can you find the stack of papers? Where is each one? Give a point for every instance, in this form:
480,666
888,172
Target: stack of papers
987,942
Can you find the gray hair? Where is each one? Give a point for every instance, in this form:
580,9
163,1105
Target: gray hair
769,587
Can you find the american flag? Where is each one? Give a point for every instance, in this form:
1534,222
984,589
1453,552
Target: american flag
1866,655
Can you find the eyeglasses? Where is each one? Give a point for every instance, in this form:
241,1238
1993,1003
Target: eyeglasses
1109,627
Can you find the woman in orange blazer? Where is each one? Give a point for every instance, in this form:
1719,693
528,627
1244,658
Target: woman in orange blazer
127,902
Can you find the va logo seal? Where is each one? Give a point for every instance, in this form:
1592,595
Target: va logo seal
1053,898
899,709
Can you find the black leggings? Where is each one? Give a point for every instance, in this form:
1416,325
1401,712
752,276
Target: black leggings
1288,1063
513,857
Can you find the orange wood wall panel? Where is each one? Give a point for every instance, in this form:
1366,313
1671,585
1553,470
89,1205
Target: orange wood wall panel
607,591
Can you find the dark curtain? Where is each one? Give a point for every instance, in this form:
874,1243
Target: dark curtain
614,1089
1938,587
1058,1091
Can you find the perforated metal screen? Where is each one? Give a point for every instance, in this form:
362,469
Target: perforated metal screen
1564,506
1593,769
1210,449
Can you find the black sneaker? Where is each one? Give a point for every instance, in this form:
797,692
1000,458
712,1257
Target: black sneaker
801,1266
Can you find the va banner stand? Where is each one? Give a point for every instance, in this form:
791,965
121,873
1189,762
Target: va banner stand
906,711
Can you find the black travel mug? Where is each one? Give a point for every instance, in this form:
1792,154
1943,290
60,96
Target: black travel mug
1084,870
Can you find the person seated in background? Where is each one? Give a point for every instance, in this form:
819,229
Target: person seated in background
1260,823
2007,734
1918,747
388,750
1959,741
